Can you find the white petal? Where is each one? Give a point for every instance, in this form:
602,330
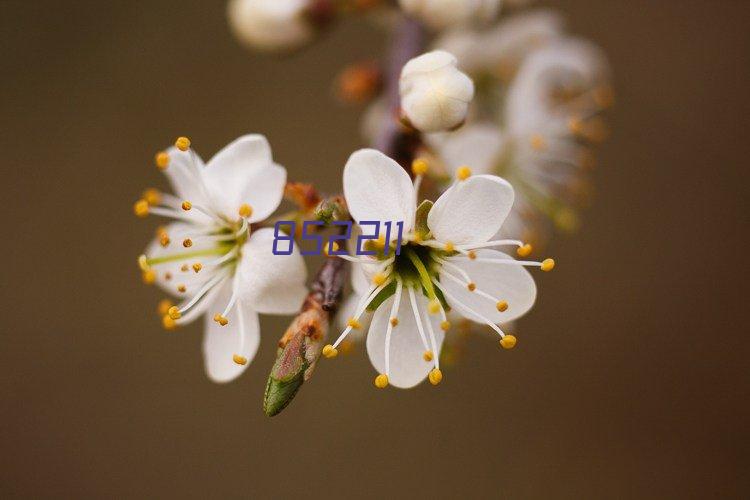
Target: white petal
376,188
509,282
270,284
270,24
173,270
471,211
184,173
407,366
220,343
244,172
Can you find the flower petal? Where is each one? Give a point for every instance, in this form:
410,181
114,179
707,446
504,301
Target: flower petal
509,282
221,343
478,145
347,309
407,366
471,211
169,275
244,172
270,284
376,188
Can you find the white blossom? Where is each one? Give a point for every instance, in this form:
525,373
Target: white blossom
435,95
446,261
211,257
441,14
270,24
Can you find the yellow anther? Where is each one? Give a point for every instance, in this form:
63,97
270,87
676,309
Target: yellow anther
471,286
335,248
141,208
472,254
182,143
449,247
433,307
548,265
419,166
152,196
222,320
245,210
181,288
162,160
537,142
197,267
502,306
427,356
381,381
167,276
164,239
524,250
354,323
435,376
168,323
508,342
143,263
240,360
463,173
149,276
379,279
330,352
187,242
445,325
394,321
163,307
186,205
184,268
174,312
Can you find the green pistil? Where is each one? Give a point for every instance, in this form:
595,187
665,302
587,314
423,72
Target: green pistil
219,250
424,276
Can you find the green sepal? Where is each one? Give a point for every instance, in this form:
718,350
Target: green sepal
420,224
287,376
382,296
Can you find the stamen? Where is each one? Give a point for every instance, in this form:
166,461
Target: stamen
449,247
379,278
389,328
143,262
463,173
186,205
431,332
330,352
182,143
164,306
353,323
445,325
547,265
245,210
435,376
427,356
468,310
240,360
525,250
381,381
149,277
413,301
501,306
152,196
419,166
197,267
164,240
493,243
162,160
221,319
361,308
508,342
168,323
141,208
174,312
187,242
434,306
181,288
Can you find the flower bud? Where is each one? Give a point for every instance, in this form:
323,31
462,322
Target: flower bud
435,95
270,24
440,14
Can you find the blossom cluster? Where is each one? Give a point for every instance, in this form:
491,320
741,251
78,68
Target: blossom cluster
481,133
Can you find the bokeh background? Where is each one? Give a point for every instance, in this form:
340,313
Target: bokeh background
630,379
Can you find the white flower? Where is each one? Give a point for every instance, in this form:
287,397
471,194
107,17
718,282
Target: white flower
440,14
500,49
435,95
213,257
446,261
270,24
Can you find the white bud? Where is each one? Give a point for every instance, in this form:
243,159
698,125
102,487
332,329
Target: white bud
441,14
435,95
270,24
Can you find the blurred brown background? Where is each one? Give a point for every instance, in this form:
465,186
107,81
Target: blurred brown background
631,377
